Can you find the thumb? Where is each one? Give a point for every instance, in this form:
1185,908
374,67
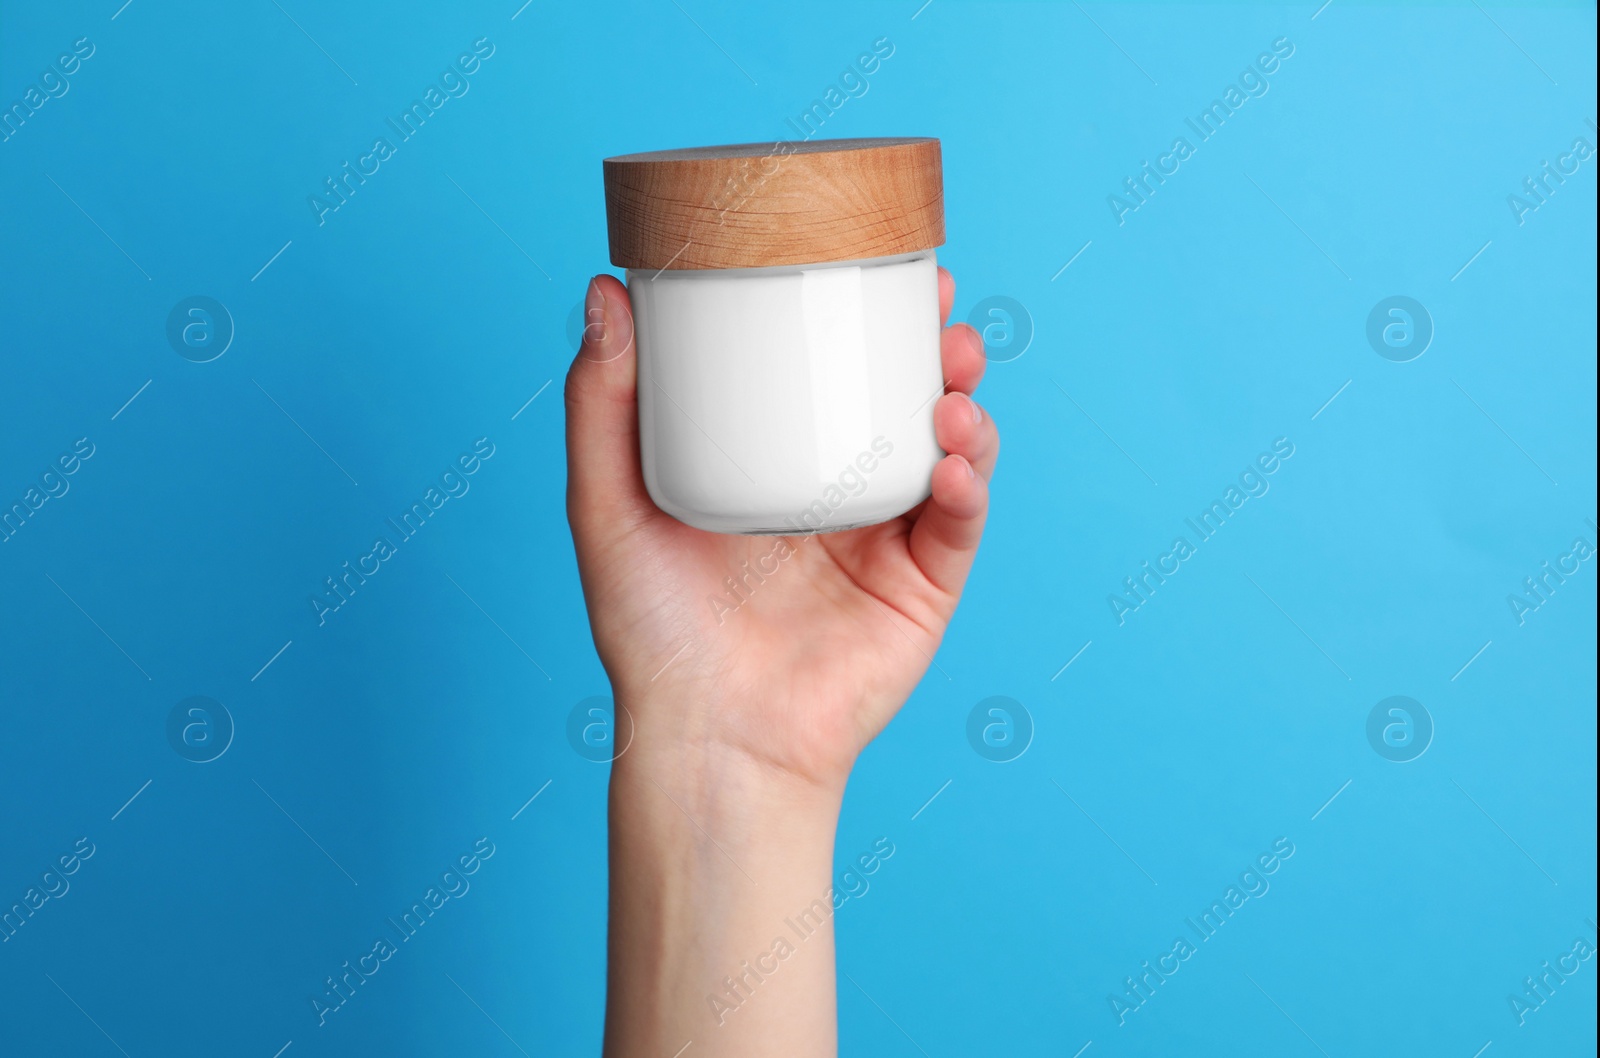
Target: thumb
604,485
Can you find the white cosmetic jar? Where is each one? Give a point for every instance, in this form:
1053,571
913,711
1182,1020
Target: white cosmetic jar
786,320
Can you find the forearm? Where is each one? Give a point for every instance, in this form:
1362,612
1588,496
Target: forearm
721,922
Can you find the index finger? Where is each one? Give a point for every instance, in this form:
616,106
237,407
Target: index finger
947,295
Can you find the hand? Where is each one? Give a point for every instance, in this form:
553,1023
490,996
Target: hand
806,672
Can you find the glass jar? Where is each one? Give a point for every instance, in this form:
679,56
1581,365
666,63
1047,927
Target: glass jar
781,393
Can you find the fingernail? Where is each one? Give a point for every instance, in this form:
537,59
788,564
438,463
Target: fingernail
594,313
977,412
619,328
970,472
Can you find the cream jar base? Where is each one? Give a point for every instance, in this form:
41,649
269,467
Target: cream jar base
793,523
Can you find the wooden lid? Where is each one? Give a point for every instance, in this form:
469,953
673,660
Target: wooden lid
749,205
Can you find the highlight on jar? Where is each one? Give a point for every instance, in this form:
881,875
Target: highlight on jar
786,319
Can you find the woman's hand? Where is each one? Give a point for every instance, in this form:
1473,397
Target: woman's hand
810,668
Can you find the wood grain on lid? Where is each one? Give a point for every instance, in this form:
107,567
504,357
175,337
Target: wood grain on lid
750,205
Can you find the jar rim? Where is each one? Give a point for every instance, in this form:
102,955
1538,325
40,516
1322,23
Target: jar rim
651,274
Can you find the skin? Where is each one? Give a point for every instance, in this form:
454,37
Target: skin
724,804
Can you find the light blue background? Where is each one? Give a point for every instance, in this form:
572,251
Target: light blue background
1191,737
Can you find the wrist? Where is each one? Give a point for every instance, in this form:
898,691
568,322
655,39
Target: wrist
705,740
731,795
